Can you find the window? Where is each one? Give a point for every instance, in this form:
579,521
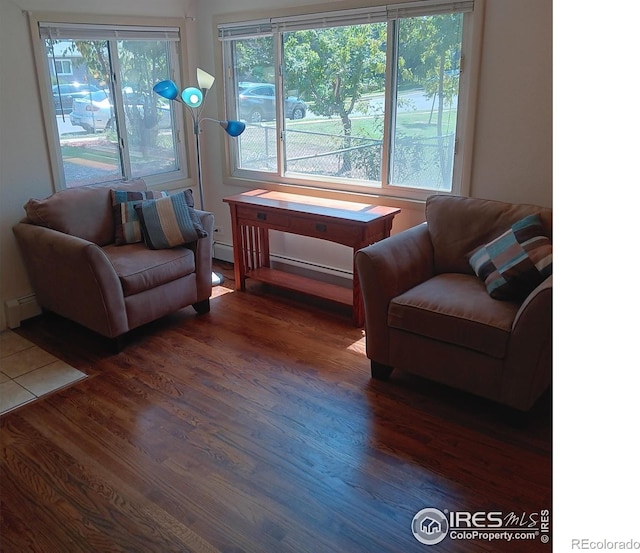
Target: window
63,67
369,100
109,124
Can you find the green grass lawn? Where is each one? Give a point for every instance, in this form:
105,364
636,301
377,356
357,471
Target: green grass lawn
102,152
90,154
411,124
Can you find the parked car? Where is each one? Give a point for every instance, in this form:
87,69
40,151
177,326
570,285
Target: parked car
92,114
97,114
257,102
65,94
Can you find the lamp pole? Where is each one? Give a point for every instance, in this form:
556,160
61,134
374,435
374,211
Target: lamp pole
196,131
194,99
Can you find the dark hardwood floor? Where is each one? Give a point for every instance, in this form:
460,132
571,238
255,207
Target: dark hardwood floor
254,428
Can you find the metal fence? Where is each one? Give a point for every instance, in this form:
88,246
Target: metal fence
418,163
424,163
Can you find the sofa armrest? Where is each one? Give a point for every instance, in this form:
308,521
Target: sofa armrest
73,277
203,250
385,270
528,363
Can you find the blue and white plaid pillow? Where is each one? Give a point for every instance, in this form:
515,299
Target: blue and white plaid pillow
125,218
515,262
169,222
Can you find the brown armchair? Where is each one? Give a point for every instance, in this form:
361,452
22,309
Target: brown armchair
76,269
427,312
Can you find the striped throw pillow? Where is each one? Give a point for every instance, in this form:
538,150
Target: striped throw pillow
125,218
514,263
170,221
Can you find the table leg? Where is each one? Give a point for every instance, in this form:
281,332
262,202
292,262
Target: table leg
239,270
358,305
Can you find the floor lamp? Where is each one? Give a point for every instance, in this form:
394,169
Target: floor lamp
194,98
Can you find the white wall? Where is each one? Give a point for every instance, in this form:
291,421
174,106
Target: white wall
24,166
512,155
512,159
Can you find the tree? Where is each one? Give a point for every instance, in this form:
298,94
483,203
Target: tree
95,57
431,51
334,67
142,65
254,60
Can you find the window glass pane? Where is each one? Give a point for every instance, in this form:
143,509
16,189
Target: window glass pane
84,113
106,134
428,72
148,116
255,103
334,85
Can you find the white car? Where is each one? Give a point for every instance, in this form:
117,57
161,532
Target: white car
95,112
92,113
64,94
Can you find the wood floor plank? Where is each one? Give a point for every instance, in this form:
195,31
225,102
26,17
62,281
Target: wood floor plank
254,428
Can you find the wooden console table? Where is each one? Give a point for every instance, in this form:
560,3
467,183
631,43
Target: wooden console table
254,213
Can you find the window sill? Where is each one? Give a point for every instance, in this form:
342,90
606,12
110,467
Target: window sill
378,197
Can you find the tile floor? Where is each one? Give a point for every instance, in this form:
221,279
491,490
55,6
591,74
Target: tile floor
28,372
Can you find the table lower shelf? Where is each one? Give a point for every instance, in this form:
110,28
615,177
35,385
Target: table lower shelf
297,283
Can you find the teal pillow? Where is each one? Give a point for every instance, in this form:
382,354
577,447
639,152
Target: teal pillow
169,222
125,218
517,261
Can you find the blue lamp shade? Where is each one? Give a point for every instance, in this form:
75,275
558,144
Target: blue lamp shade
233,128
192,97
166,89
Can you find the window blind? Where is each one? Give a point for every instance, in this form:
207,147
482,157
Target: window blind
375,14
331,19
246,29
417,9
71,31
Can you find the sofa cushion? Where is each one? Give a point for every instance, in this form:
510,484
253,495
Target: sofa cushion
513,264
170,221
140,268
455,308
459,225
84,212
125,218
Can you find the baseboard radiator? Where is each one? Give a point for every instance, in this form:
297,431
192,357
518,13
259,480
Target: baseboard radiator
19,309
224,252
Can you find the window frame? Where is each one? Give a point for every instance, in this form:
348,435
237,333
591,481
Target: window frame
185,143
465,125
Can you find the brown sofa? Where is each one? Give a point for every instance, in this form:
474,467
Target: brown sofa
77,271
427,312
